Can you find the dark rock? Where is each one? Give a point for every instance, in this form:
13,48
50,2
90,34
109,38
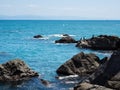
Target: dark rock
88,86
102,42
80,64
38,36
118,44
65,35
66,39
15,70
109,74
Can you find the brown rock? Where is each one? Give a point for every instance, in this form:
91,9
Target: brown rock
88,86
109,76
15,70
66,39
80,64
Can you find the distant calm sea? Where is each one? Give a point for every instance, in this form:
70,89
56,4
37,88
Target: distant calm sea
43,55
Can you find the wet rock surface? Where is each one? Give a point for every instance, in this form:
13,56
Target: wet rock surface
80,64
66,39
107,75
110,76
15,70
101,42
38,36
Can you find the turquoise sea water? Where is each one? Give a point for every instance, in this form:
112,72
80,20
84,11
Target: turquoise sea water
43,55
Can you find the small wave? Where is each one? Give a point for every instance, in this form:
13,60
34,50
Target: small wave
19,86
15,31
4,54
61,43
58,35
29,38
9,31
67,77
71,82
44,38
117,24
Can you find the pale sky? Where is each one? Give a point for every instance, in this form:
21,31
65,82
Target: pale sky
60,9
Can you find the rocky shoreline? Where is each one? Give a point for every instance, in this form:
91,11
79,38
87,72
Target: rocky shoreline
100,74
107,75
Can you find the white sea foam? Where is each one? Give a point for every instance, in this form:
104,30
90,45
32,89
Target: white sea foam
67,77
58,35
44,38
71,82
61,43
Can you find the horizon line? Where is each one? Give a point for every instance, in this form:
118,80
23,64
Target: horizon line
67,19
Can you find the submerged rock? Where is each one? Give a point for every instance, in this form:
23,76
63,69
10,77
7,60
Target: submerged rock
38,36
45,82
80,64
66,39
102,42
15,70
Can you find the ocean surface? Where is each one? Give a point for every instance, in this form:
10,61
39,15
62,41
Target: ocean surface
43,55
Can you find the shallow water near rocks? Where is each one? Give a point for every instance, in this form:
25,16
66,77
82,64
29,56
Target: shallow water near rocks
43,55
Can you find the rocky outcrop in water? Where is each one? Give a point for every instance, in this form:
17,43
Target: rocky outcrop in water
66,39
15,70
38,36
101,42
108,74
80,64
